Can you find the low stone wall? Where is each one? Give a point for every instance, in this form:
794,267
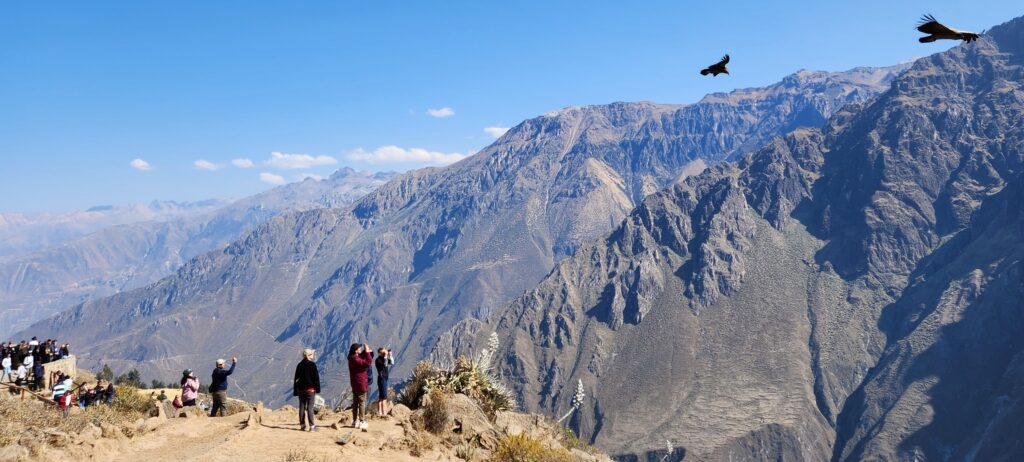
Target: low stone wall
67,366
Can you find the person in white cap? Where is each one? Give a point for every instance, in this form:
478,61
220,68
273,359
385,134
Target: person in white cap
219,386
306,385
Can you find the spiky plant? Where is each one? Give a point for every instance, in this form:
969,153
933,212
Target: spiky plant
577,400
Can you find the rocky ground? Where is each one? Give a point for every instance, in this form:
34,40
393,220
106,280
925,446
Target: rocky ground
274,435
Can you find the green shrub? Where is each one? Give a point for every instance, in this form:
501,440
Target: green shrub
467,377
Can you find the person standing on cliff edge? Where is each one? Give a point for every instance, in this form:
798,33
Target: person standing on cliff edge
306,386
219,386
360,359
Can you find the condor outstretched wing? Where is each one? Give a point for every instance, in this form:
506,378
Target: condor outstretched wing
929,25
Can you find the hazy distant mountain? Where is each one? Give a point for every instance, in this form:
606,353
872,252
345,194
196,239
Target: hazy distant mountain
434,246
850,293
22,233
125,257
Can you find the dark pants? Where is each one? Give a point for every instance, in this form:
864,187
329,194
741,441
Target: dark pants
219,398
306,402
189,402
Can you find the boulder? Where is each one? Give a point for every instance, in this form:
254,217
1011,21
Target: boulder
14,452
512,423
90,433
56,438
110,430
151,424
400,412
468,423
191,412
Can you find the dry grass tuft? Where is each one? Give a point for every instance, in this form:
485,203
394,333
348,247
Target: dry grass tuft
523,448
301,455
436,412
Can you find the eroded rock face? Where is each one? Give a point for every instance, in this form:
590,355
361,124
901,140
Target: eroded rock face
846,293
436,246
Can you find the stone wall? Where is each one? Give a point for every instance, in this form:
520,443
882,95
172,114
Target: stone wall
67,366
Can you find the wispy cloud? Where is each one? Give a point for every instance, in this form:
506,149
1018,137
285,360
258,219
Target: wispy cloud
307,175
395,155
293,161
206,165
139,164
242,163
442,112
276,180
496,132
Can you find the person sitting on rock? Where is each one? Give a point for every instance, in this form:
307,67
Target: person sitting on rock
189,388
162,397
177,402
64,384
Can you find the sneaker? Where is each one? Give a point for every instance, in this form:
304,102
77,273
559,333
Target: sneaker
313,429
364,426
302,428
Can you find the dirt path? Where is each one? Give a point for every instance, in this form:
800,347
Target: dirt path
277,439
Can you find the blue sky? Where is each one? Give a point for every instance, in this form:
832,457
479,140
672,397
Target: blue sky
87,87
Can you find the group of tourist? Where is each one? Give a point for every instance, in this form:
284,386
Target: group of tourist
360,361
23,361
360,365
66,395
306,384
23,365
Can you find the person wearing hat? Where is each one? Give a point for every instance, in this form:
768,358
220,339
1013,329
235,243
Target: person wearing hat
306,385
219,386
189,388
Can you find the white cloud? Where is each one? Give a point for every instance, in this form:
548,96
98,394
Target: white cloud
292,161
496,132
396,155
272,179
242,163
443,112
307,175
206,165
139,164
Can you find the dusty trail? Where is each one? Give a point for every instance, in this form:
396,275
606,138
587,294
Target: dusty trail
229,439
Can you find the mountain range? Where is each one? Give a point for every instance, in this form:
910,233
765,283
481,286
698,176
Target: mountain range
432,247
852,292
23,233
125,256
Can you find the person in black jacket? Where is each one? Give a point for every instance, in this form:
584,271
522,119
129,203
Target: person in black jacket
307,385
219,386
385,359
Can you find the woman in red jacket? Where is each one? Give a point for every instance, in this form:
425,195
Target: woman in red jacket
360,358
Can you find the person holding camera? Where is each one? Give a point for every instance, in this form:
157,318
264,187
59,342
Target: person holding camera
385,359
360,358
219,386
